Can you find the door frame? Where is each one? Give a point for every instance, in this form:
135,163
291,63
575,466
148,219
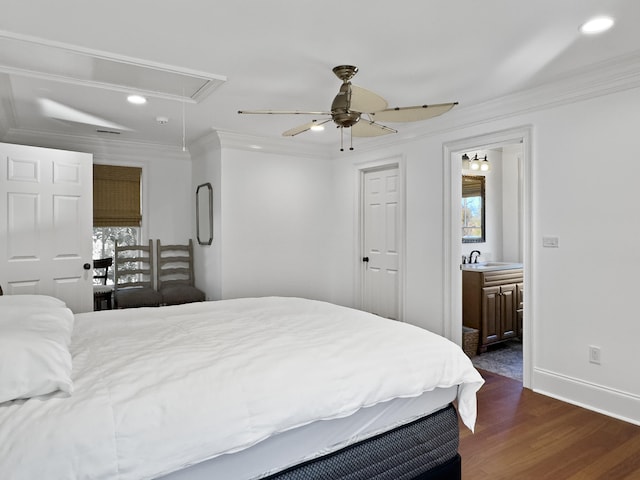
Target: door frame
452,241
398,162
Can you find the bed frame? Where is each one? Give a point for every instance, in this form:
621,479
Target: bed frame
425,449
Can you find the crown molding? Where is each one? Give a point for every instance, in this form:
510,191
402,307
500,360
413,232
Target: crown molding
278,145
206,143
99,147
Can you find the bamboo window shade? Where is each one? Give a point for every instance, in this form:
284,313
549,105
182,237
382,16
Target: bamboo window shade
472,186
116,196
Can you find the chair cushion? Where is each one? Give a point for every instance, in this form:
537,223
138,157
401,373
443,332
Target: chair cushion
137,297
178,294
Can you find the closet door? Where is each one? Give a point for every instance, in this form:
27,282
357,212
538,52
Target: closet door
46,224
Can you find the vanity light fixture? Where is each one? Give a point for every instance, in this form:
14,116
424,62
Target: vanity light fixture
136,99
475,163
596,25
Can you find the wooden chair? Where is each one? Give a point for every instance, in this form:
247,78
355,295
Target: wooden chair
133,277
102,292
175,276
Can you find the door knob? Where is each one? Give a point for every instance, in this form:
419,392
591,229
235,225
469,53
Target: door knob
87,266
365,259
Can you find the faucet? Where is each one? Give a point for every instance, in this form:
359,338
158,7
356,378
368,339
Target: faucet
471,259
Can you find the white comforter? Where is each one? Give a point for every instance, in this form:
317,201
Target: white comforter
159,389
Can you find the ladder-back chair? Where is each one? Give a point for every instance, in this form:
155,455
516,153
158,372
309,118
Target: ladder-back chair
133,277
175,277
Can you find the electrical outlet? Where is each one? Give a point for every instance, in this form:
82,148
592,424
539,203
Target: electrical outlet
594,355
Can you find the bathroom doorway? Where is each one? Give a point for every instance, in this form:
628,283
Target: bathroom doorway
492,261
503,243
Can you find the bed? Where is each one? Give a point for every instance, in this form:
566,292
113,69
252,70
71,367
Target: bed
256,388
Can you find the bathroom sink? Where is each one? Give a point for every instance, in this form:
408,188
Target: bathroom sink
490,266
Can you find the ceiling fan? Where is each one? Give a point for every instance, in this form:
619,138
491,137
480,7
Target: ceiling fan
359,110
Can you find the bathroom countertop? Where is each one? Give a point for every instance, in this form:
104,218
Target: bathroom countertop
490,266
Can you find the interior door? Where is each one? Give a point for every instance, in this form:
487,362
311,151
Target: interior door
46,224
381,232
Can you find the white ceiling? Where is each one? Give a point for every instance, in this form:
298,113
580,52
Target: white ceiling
279,55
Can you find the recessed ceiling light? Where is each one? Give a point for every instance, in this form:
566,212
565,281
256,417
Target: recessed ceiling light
597,25
137,99
317,128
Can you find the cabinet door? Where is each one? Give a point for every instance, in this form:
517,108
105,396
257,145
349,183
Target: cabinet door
491,328
508,314
519,306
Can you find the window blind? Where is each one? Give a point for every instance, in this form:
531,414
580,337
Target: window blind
472,186
116,196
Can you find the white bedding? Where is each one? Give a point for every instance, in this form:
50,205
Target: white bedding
156,390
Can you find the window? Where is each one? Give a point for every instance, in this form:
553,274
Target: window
473,200
116,209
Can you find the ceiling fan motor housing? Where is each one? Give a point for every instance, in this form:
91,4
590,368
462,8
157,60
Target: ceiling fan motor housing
340,108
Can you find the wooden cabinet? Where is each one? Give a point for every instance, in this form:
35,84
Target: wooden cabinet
492,304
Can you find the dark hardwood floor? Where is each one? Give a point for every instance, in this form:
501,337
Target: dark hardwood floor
524,435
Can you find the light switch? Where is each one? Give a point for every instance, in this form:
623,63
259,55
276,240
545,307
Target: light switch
550,242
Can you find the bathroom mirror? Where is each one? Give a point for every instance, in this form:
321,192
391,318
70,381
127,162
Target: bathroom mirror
473,207
204,214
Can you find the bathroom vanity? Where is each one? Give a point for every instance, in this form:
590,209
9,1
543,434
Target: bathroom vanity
492,301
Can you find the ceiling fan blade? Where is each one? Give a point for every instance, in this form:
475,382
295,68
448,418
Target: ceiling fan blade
365,101
56,110
366,128
281,112
412,114
303,128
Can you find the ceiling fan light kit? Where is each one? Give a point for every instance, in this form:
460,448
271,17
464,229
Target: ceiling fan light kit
359,110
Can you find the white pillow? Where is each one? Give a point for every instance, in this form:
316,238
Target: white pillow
30,301
34,351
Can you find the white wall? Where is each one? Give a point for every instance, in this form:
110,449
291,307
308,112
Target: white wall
206,168
586,194
276,225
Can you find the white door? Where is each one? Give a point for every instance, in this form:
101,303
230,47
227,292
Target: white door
46,203
381,233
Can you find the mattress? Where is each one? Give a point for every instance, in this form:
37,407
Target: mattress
317,439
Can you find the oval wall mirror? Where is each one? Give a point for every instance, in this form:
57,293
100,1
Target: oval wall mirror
204,214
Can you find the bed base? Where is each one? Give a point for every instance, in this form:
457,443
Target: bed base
425,449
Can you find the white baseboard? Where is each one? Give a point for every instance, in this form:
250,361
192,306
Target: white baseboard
608,401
